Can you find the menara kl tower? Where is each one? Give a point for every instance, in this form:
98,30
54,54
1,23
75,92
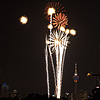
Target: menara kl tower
75,78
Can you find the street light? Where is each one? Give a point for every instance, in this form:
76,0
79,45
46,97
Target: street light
94,75
89,74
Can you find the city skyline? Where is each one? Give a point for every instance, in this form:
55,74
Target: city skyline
22,46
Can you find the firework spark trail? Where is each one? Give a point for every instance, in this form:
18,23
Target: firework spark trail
51,38
60,53
58,66
52,66
62,66
56,69
61,58
56,5
56,52
64,52
46,58
56,43
50,23
61,35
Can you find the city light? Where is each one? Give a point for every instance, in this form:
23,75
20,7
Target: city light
89,74
67,93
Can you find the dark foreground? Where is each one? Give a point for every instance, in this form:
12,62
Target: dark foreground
45,97
32,97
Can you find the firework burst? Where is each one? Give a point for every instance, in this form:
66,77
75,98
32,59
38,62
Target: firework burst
60,20
57,38
56,44
56,5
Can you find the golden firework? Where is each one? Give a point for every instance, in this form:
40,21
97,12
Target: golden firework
60,20
23,19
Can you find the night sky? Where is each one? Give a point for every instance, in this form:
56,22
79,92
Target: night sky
22,58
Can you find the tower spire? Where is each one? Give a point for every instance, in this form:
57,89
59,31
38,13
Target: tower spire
75,78
75,69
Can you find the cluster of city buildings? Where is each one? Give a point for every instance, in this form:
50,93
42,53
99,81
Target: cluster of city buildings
4,91
77,95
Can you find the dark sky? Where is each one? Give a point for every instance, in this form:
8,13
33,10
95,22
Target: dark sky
22,59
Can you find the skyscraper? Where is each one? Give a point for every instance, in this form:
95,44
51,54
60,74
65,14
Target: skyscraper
4,90
75,78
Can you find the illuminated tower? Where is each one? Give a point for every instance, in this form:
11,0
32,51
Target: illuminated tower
75,78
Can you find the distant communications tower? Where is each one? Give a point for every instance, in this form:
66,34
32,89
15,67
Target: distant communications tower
75,78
